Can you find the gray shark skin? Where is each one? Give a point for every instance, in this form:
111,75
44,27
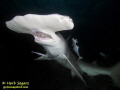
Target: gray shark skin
44,28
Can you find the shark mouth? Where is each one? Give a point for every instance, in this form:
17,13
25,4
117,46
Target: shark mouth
40,36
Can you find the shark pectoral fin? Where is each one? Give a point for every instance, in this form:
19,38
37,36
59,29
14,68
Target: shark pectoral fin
75,70
73,74
43,58
40,54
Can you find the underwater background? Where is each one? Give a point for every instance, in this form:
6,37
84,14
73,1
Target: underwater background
97,29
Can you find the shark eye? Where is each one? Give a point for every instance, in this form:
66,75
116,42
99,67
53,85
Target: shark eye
61,17
56,32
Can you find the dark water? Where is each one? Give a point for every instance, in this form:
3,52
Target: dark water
97,28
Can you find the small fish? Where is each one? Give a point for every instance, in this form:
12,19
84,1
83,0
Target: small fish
76,48
103,55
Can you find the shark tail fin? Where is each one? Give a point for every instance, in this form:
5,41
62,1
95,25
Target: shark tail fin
115,74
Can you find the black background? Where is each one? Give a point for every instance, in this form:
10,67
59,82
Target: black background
97,28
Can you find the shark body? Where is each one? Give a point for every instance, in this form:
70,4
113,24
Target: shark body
45,29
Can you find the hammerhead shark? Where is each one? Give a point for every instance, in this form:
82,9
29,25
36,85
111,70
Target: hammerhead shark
45,29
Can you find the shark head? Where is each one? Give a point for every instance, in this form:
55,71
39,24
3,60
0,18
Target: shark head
42,27
43,38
